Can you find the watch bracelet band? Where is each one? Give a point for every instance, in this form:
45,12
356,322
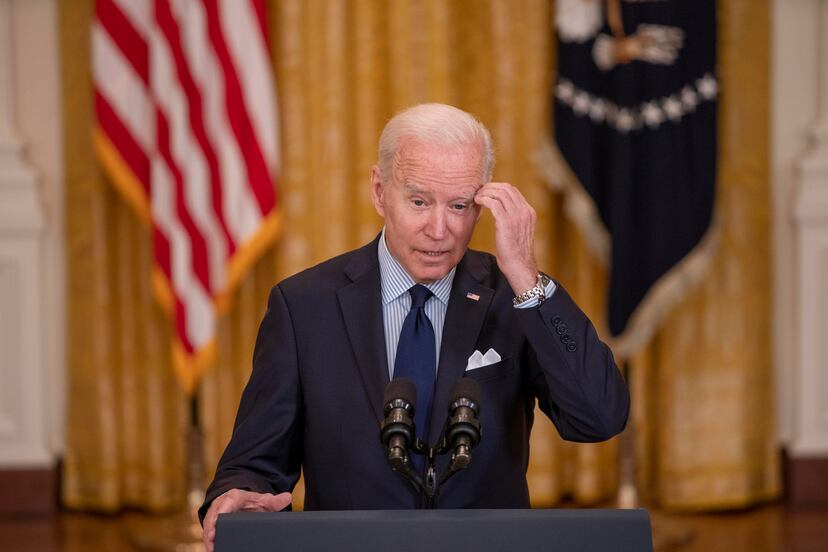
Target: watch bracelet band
539,291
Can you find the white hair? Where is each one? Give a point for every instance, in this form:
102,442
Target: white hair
434,123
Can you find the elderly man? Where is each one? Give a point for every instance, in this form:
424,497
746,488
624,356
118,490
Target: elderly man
336,334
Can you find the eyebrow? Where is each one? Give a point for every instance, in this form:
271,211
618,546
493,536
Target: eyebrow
415,190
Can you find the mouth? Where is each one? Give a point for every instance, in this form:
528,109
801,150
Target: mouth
432,254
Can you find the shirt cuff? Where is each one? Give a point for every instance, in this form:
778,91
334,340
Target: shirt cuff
534,301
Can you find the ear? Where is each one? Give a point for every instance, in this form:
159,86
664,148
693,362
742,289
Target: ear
377,190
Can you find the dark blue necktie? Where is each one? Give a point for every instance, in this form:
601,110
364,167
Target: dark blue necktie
417,357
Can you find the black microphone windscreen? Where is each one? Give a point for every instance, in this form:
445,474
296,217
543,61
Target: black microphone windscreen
466,388
401,388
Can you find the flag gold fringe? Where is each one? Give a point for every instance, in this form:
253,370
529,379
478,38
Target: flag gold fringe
188,368
246,256
121,176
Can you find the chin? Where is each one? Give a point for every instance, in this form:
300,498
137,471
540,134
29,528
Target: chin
431,273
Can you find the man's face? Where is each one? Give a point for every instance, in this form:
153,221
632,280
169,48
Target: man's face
428,206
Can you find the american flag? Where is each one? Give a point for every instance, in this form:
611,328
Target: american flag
185,106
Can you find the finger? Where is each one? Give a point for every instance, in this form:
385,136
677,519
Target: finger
226,503
497,194
493,195
229,501
519,209
249,501
208,545
494,205
208,534
277,503
507,189
516,208
505,212
511,192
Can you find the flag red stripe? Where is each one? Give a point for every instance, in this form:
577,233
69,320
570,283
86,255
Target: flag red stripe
260,10
161,248
131,152
257,171
169,27
197,243
181,325
261,16
124,34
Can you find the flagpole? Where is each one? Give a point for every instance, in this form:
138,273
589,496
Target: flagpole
667,534
180,532
195,460
628,498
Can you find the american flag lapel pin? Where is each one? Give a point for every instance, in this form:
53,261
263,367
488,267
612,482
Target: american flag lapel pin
473,296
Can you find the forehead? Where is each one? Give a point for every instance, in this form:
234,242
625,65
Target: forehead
418,164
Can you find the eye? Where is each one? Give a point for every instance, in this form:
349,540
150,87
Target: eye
417,202
460,206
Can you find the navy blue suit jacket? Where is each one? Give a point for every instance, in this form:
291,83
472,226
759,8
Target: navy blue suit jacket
314,399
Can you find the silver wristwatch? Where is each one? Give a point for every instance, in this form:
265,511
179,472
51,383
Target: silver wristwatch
538,291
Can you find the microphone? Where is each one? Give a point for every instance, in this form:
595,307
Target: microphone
463,431
397,431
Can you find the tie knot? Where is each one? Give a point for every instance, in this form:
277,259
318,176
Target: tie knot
419,296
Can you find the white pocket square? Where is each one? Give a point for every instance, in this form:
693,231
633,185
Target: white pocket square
479,360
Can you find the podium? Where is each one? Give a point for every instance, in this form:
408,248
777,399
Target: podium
436,530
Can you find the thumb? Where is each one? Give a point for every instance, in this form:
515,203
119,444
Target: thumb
276,503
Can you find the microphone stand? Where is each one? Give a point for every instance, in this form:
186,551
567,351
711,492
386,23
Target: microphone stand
460,434
428,487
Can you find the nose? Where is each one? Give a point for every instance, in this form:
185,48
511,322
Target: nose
436,228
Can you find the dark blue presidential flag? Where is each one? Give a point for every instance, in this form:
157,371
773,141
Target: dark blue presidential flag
635,147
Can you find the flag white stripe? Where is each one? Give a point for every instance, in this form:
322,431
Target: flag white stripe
185,284
250,57
117,81
240,210
188,157
138,12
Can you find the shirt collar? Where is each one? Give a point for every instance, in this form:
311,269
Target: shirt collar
395,281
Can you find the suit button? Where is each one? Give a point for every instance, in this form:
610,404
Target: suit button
561,329
556,320
571,347
565,339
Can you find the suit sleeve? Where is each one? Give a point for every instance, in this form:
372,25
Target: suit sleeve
572,372
265,451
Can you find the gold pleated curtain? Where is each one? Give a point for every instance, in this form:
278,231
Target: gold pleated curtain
702,390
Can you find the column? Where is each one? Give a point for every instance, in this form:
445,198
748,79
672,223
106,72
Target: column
23,432
809,446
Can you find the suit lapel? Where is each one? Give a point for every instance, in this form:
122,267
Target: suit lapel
361,307
464,320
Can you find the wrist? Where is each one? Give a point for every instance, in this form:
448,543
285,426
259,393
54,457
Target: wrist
535,293
522,279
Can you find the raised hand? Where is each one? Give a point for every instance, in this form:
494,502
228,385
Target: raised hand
514,233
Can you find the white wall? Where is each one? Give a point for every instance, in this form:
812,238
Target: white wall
38,93
799,76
